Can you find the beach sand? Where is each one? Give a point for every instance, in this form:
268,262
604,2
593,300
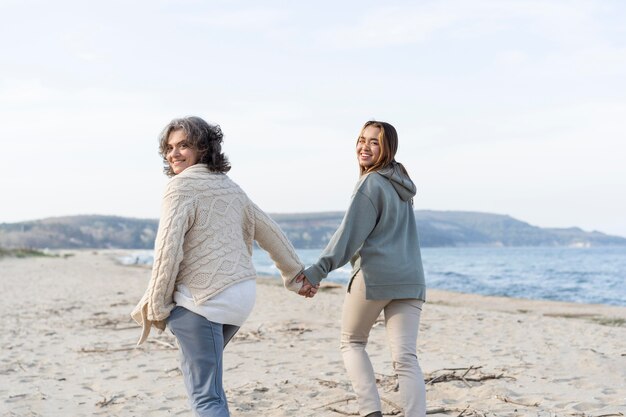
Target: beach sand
68,349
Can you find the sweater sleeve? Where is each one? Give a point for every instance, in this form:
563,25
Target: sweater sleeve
271,238
357,224
157,302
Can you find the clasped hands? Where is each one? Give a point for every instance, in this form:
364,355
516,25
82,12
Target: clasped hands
307,290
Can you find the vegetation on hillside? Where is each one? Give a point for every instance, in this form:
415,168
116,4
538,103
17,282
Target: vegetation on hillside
21,253
305,230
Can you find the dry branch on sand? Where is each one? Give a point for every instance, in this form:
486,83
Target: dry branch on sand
106,402
390,383
510,401
331,406
105,349
471,374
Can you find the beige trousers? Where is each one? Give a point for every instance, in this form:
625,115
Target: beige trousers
402,318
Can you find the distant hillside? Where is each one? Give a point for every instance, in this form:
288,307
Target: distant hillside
462,228
305,230
450,228
75,232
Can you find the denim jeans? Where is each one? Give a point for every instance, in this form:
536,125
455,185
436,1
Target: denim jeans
201,344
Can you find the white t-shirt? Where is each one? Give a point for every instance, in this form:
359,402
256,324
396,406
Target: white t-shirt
231,306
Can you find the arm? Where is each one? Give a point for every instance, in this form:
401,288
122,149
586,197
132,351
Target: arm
355,227
157,302
271,238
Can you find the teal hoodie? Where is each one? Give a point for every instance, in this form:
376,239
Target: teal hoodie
378,236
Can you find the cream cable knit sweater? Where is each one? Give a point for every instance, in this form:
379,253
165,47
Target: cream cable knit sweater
205,239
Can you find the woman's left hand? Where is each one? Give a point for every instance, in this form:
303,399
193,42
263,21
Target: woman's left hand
307,290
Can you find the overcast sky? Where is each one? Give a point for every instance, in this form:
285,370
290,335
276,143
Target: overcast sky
509,107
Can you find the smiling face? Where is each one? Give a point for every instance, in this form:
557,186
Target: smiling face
368,147
180,155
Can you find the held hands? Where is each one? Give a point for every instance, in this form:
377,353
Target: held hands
307,290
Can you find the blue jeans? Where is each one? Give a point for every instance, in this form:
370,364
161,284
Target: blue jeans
201,344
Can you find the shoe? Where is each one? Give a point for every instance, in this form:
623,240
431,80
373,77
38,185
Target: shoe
375,414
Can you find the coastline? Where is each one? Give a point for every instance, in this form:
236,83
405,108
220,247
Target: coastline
69,349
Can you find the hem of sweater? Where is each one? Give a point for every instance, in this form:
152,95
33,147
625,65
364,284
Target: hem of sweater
395,292
205,297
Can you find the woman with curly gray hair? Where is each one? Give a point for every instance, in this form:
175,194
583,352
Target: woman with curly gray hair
202,285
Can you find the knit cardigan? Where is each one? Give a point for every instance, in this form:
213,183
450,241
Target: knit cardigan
205,240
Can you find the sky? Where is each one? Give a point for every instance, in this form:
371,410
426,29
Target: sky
501,106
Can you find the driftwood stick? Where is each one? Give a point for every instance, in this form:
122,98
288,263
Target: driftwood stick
437,410
436,379
391,403
105,402
465,381
466,372
345,413
162,343
489,376
327,382
101,350
510,401
124,328
462,411
458,369
453,376
167,345
346,399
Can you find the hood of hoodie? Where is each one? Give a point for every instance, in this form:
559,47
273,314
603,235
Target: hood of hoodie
401,182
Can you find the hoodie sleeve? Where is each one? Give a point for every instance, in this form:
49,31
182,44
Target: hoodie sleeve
356,226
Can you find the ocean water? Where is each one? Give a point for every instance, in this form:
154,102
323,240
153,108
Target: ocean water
585,275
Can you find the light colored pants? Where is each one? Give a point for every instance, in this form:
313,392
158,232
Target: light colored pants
201,344
402,318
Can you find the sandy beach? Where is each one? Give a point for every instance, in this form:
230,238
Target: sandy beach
68,349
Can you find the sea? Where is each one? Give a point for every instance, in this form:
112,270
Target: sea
595,275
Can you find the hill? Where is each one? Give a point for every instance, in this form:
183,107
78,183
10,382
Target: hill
461,228
75,232
305,230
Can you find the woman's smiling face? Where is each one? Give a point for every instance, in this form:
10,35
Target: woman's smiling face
180,155
368,147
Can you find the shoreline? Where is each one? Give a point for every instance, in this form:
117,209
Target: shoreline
71,342
555,287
